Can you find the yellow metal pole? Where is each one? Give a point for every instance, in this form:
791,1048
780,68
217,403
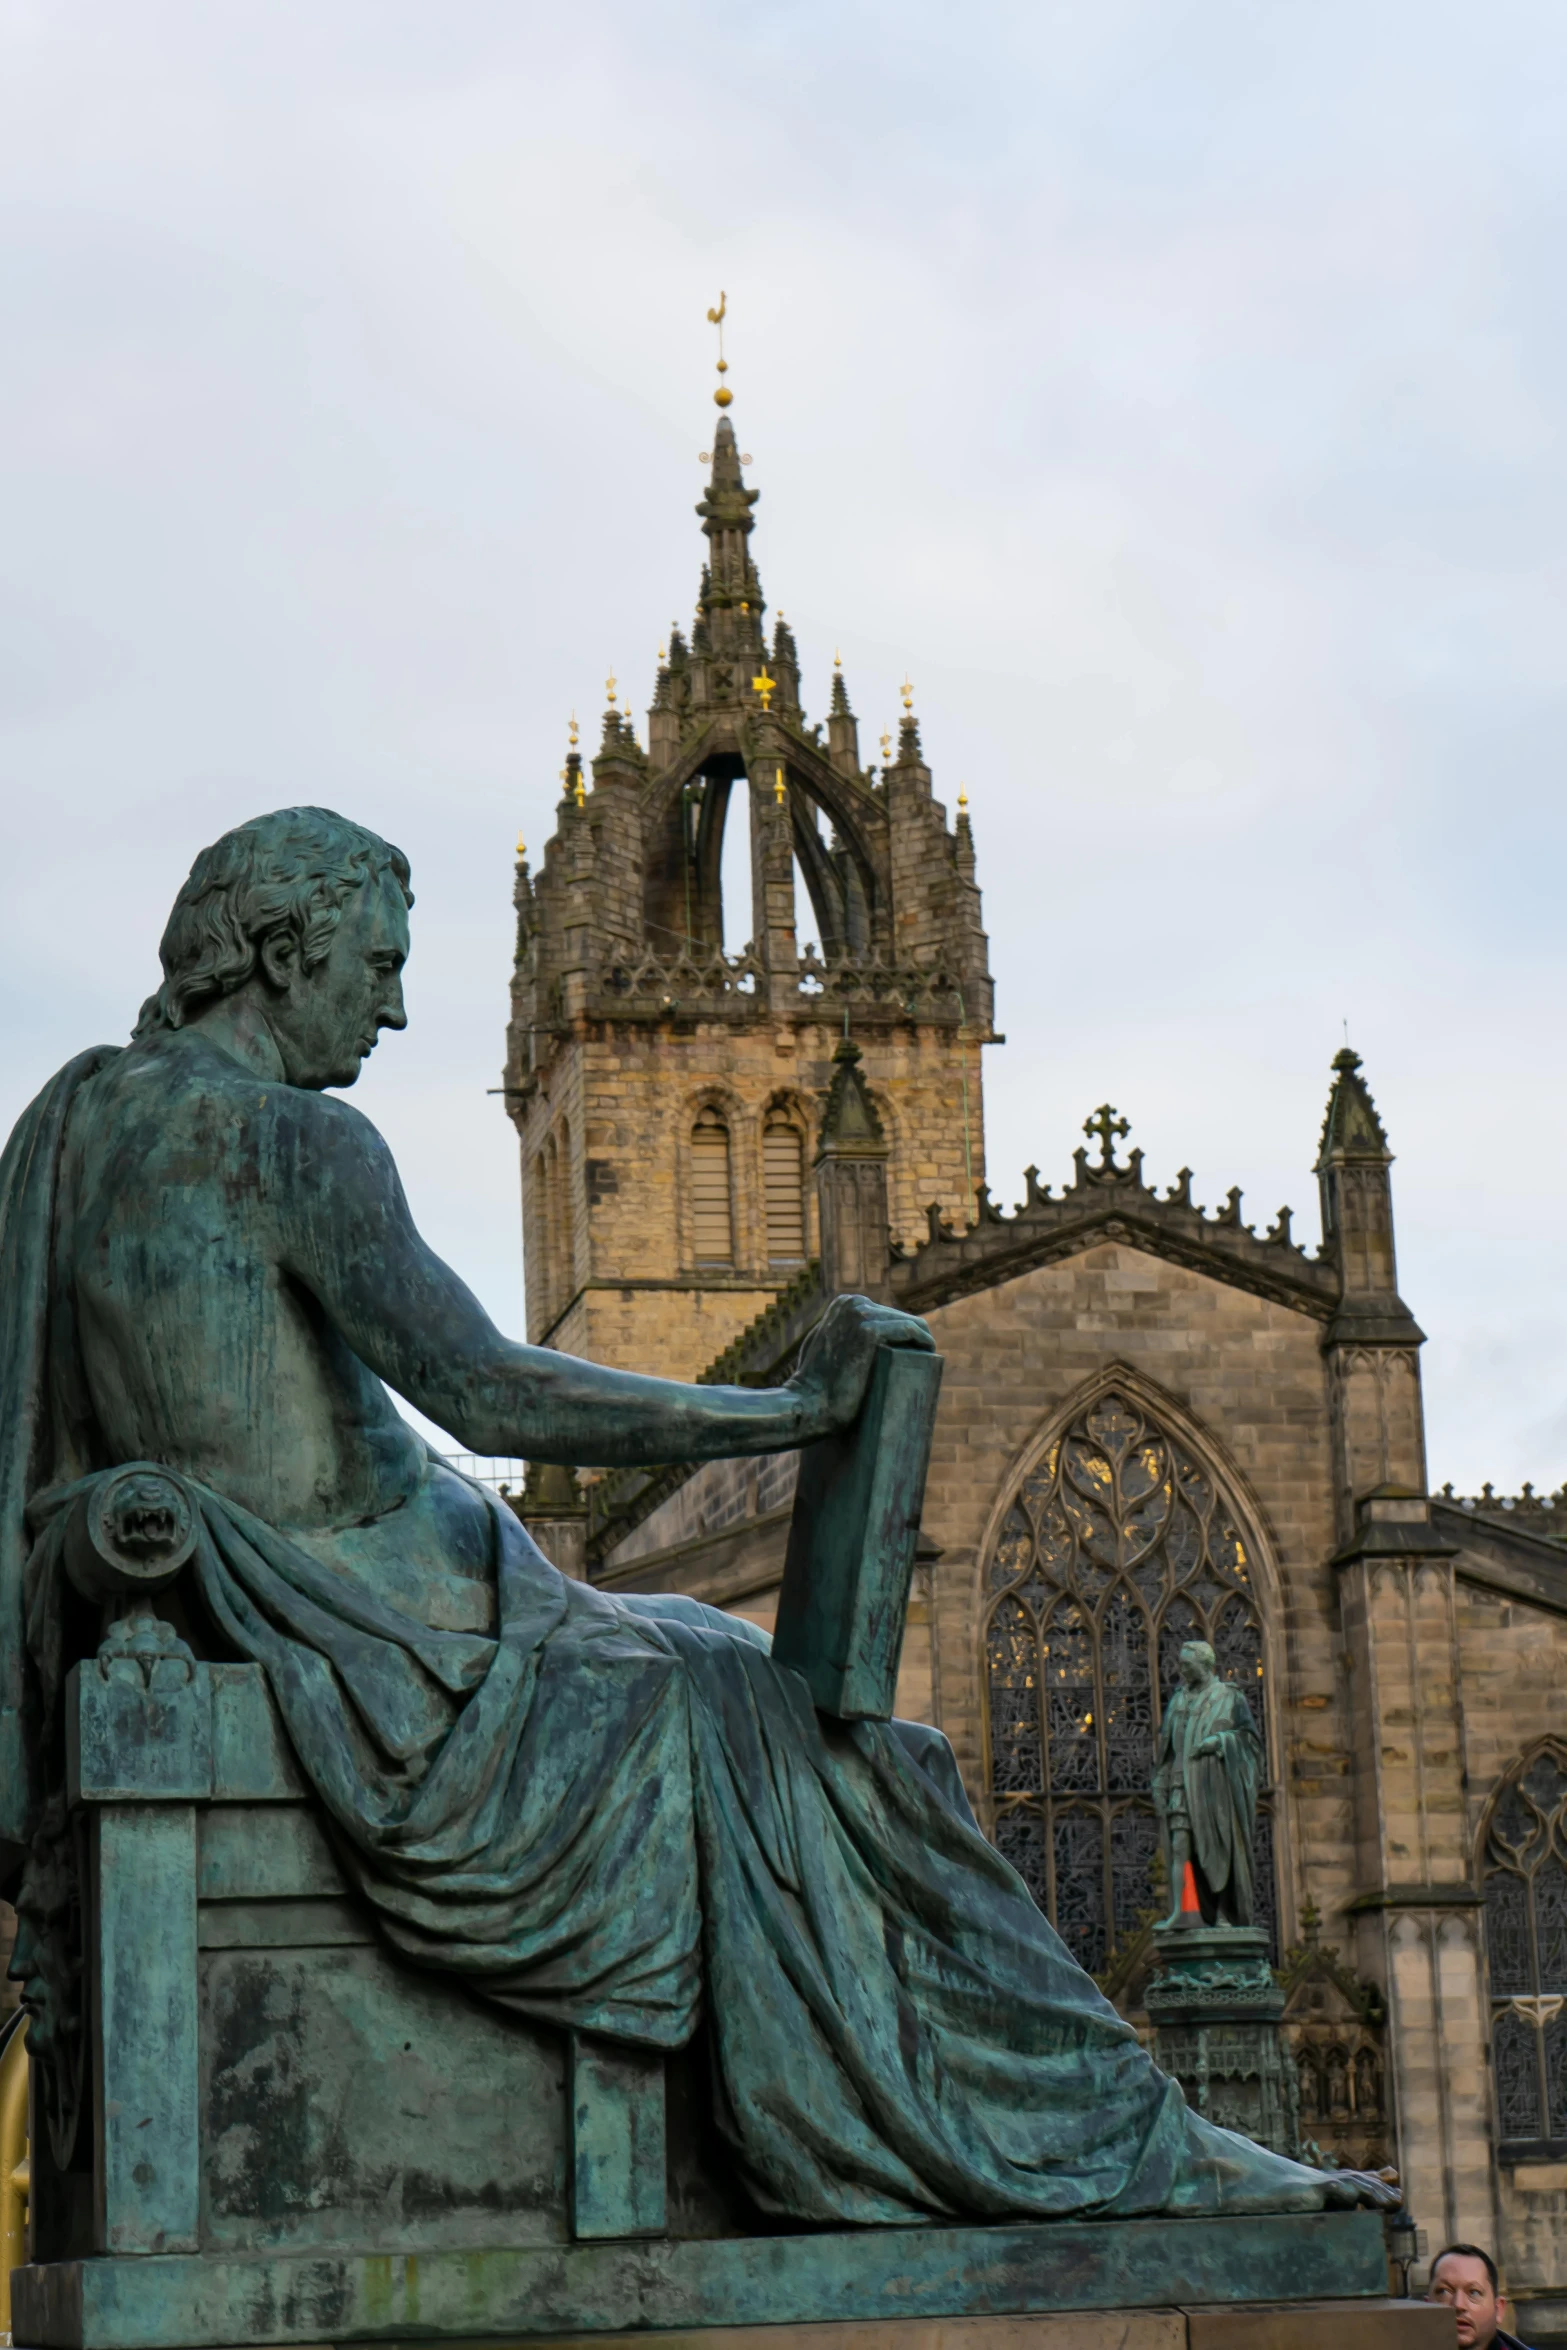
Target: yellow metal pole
15,2170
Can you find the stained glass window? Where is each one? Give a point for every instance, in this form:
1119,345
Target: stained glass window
1116,1549
1525,1886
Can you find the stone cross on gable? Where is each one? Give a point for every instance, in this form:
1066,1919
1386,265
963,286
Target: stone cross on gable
1103,1127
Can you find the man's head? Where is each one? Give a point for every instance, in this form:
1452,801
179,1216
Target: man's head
1465,2278
304,916
1198,1664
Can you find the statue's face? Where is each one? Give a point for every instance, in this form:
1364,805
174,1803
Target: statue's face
326,1020
1196,1671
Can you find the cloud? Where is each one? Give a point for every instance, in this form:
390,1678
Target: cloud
1173,390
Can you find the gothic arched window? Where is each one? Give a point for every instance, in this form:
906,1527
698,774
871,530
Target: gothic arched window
783,1191
1116,1549
1525,1863
712,1222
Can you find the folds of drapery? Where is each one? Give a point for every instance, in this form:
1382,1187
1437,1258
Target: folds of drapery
29,1177
619,1813
1221,1788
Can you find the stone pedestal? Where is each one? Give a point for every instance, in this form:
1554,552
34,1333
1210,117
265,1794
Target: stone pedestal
1216,2011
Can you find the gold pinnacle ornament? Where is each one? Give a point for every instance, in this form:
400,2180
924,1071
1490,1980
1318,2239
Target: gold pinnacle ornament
573,736
779,793
765,686
723,396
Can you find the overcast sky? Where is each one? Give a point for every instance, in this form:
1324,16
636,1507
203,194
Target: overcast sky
1174,390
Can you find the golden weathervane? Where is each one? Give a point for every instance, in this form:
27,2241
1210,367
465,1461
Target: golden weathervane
723,396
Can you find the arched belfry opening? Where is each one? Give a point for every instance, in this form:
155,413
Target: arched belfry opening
723,893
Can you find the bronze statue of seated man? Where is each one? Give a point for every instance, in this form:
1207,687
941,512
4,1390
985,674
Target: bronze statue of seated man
603,1812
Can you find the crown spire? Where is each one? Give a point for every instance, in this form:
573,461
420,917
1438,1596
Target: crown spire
731,600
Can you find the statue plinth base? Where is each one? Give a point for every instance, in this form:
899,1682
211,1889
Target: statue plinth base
1216,2011
292,2139
918,2288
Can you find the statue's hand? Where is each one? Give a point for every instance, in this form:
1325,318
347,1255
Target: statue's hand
1209,1746
835,1366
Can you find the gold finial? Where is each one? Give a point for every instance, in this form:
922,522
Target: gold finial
779,794
522,847
662,656
609,688
962,797
764,686
837,658
744,606
886,746
723,396
573,735
582,791
565,775
908,693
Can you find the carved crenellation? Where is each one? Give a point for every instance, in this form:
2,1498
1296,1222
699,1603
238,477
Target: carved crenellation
1113,1202
1543,1514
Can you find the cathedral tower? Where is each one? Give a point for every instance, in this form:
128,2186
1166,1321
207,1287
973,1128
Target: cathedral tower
669,1057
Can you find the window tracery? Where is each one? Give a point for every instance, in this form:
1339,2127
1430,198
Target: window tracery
1525,1888
1117,1548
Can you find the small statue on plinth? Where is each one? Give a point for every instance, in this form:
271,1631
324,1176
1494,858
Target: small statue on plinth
1207,1773
1214,2000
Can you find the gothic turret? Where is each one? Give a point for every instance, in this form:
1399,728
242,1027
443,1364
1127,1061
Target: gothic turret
851,1182
1353,1163
1373,1341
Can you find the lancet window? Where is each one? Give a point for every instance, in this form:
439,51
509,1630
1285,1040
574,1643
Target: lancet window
1116,1549
712,1215
783,1191
1525,1879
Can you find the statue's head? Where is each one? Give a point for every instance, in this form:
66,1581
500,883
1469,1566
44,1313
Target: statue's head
1198,1664
304,918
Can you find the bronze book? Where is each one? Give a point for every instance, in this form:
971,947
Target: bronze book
845,1593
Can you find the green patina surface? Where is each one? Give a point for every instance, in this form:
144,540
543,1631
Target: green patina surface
441,1903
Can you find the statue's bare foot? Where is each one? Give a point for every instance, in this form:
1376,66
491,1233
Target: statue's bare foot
1342,2189
140,1648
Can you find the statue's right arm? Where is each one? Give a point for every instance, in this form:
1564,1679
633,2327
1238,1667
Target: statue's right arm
347,1236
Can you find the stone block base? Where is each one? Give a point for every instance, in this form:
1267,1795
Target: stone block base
886,2286
1298,2325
